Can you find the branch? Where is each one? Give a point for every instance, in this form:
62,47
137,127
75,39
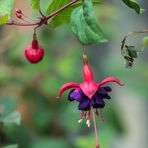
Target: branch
21,24
132,33
43,19
61,9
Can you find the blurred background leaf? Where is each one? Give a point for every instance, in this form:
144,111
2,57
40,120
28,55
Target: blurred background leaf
14,117
11,146
5,10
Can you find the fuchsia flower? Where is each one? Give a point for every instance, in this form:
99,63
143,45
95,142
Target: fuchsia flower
89,94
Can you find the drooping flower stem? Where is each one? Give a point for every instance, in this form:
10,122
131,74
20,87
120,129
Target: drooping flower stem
95,128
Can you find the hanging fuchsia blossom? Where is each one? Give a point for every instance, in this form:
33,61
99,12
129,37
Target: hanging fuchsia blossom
89,94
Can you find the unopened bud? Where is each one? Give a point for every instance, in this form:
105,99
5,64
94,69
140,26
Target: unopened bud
18,15
18,10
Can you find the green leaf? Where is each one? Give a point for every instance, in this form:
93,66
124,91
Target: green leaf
129,53
133,52
14,117
144,43
56,4
64,16
4,19
134,5
11,146
35,4
5,10
84,24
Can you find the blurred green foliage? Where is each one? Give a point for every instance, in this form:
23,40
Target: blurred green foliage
46,122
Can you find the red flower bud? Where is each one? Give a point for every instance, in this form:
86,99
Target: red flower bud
34,52
18,10
18,15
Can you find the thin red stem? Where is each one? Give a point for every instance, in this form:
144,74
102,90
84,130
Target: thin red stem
95,128
21,24
61,9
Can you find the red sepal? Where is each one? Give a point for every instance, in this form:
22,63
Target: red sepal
110,79
66,87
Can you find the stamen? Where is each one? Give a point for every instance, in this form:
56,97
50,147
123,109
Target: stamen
101,116
82,113
85,114
88,117
97,113
79,121
81,116
88,123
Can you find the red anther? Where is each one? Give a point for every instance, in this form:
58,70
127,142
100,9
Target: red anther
101,117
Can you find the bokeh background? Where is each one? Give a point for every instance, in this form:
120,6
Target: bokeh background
31,89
